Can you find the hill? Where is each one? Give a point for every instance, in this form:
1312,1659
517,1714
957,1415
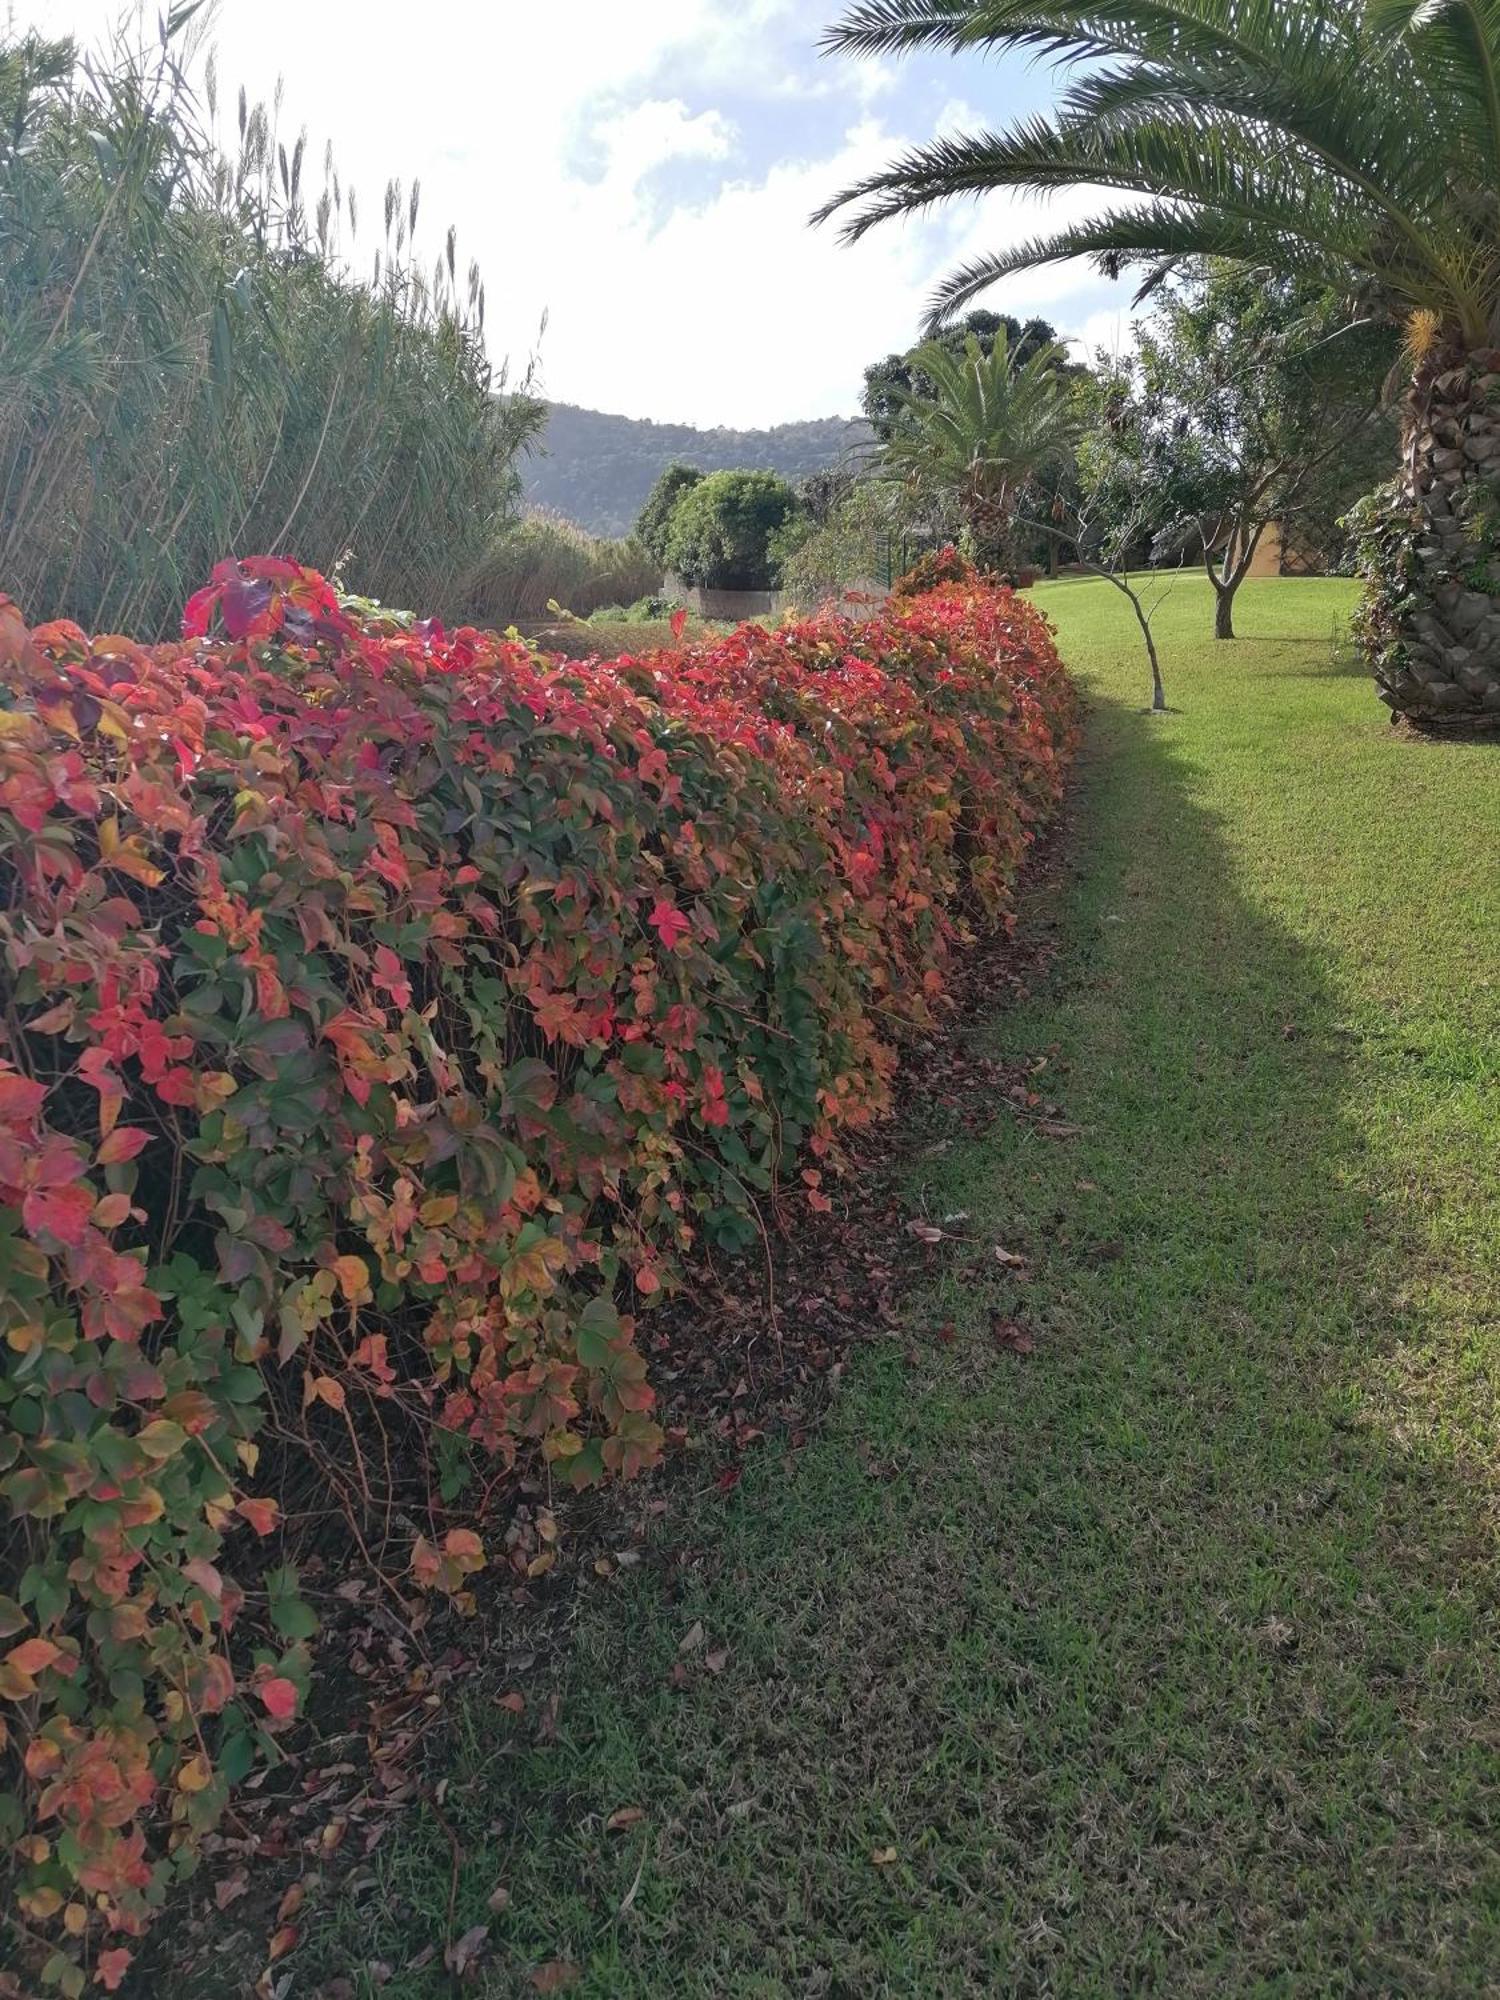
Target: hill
597,469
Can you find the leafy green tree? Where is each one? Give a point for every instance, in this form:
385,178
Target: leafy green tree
653,527
890,382
865,538
1251,400
822,493
1353,141
721,529
990,429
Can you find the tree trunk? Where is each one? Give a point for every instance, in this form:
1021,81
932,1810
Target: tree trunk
1430,622
1223,611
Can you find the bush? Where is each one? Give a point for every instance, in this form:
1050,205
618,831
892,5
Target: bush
546,560
389,1012
721,529
939,569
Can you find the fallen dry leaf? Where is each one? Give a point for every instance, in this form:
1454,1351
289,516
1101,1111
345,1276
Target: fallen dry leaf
461,1954
555,1976
883,1856
285,1940
230,1888
1011,1336
693,1639
626,1816
717,1660
498,1898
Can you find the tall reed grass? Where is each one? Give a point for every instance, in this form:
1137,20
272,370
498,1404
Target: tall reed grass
188,367
546,559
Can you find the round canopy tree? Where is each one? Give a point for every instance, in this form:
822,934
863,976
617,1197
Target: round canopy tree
721,529
1356,140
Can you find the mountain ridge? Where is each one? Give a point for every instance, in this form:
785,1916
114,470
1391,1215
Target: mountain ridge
597,468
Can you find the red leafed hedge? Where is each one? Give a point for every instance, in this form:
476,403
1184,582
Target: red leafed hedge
386,1013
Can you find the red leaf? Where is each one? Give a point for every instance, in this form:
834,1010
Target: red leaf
280,1698
111,1967
63,1213
669,923
19,1096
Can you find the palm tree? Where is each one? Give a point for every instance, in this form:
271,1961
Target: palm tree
989,429
1357,140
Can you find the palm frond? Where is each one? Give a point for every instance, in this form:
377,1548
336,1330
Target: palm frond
1360,135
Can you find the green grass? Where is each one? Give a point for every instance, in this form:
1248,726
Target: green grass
1165,1658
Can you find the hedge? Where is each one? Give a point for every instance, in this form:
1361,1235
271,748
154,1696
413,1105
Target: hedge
387,1014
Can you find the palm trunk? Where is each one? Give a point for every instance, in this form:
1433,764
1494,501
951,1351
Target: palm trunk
1431,618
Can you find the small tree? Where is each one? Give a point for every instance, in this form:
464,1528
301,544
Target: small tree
1107,515
721,529
819,561
653,526
1252,400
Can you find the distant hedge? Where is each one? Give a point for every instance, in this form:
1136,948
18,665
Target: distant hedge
387,1013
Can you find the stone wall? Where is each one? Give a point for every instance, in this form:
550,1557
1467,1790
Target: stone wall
734,606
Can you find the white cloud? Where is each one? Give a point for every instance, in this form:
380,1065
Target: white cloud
1111,332
703,296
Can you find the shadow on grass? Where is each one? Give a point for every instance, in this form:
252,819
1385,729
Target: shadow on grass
1151,1662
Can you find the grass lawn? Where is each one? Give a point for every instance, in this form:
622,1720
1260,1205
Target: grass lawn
1162,1660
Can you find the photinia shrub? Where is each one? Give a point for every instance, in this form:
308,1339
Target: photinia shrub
387,1013
936,570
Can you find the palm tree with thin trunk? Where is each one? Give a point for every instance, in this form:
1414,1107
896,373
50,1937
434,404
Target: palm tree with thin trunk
1354,140
987,431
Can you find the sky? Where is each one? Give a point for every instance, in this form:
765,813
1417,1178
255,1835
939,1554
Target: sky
635,178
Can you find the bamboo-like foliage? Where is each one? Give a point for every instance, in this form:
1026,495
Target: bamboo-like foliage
189,369
1347,138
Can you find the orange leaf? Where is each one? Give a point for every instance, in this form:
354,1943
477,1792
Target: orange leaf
33,1656
261,1514
123,1143
284,1941
354,1278
326,1390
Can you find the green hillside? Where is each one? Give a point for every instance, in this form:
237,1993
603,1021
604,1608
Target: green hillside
597,469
